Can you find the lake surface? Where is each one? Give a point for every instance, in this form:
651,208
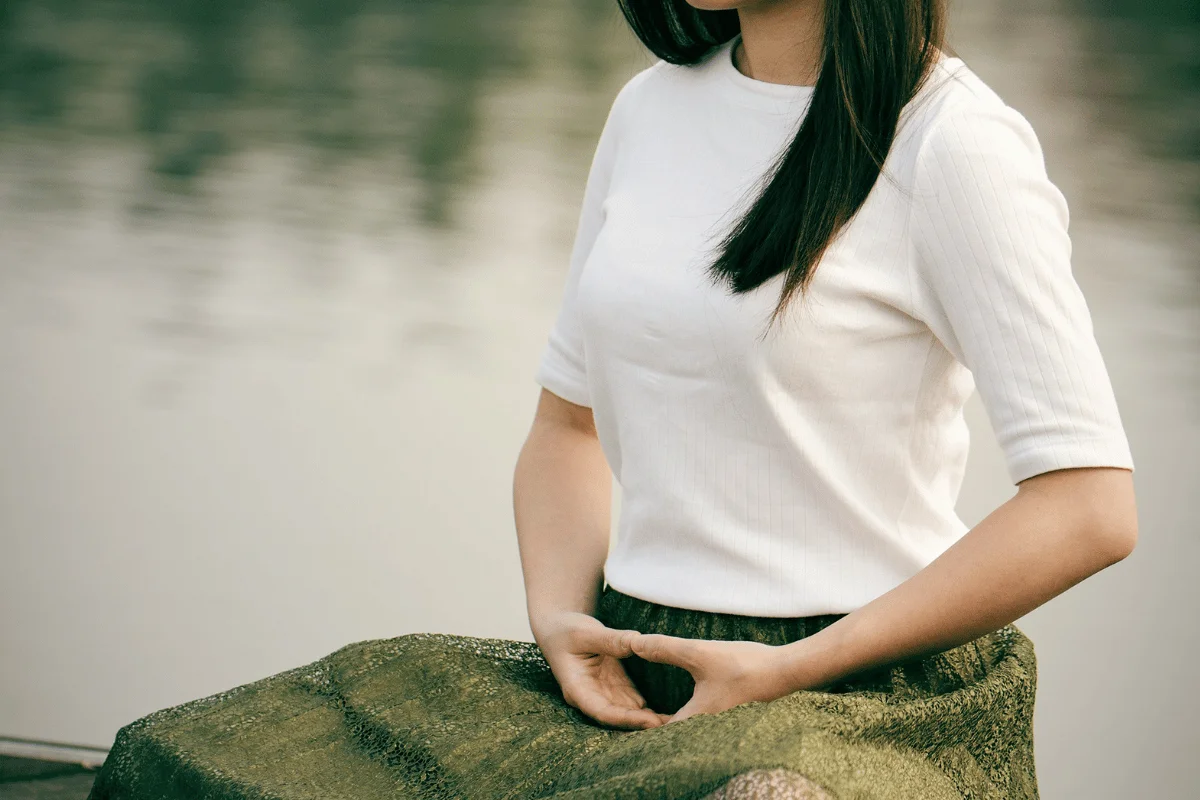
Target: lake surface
274,278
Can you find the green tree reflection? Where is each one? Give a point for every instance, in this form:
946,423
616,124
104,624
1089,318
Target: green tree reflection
197,81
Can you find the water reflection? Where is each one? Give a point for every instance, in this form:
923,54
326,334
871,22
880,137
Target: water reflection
1143,76
383,119
274,275
196,82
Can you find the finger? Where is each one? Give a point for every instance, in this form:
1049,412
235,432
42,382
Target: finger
620,683
627,695
608,713
662,649
607,641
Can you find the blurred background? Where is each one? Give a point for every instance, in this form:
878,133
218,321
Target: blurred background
275,276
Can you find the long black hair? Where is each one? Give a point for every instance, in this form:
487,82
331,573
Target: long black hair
876,55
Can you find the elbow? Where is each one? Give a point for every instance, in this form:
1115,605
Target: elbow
1112,524
1113,542
1098,505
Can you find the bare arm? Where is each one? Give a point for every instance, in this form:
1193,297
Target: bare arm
992,262
562,491
562,495
992,279
1060,528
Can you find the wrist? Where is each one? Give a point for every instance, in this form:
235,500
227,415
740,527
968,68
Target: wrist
545,622
540,624
547,613
814,662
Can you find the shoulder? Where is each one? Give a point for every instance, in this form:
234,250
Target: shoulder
958,119
663,85
630,96
621,113
972,163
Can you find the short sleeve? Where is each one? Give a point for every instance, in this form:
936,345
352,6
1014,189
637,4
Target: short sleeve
993,260
563,365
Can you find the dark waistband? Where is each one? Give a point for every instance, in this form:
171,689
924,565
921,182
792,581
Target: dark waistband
619,610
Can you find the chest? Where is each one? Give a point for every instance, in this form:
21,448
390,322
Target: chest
648,306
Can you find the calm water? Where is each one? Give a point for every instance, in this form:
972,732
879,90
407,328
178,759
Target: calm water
274,277
386,121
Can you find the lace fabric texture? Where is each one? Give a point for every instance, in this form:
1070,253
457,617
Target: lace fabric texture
437,716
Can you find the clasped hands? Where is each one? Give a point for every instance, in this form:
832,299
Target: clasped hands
585,657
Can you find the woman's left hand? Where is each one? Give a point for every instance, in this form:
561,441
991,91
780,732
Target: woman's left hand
727,674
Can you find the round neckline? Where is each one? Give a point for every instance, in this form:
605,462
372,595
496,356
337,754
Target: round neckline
775,96
749,87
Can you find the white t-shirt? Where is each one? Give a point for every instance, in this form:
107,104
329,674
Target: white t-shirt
812,471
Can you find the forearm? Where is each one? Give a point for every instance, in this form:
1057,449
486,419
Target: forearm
562,494
1056,531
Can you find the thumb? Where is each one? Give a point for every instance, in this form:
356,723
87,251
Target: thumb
663,649
608,641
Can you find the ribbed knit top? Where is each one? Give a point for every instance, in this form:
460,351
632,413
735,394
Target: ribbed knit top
813,470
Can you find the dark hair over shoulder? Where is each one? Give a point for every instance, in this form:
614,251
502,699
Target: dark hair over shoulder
877,54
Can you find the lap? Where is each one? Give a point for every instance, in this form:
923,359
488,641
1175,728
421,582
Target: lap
435,716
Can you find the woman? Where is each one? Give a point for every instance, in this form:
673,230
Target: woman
793,608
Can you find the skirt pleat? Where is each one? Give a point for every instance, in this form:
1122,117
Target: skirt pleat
436,716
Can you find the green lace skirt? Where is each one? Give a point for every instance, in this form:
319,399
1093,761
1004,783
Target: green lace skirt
439,716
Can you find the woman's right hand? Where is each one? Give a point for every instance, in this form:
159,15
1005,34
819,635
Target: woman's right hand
585,657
